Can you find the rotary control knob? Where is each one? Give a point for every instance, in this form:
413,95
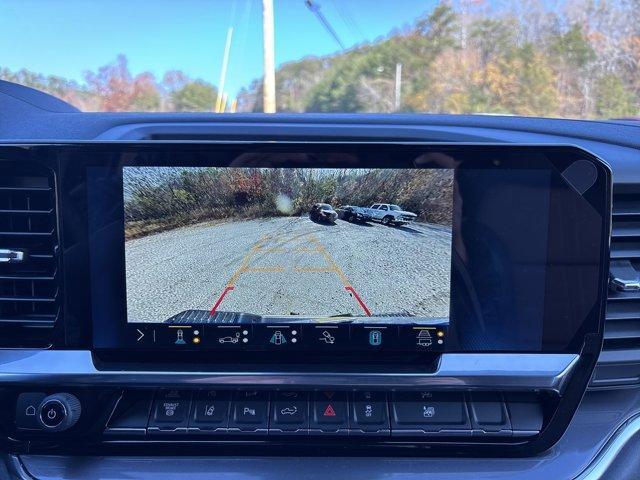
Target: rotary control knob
59,412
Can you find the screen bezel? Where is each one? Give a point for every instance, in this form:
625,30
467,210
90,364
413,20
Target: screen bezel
71,161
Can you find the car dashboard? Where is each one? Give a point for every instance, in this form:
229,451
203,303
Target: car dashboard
105,370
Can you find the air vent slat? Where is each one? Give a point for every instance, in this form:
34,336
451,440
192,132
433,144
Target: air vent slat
35,278
622,330
27,299
617,297
626,205
47,321
623,311
626,229
25,189
26,212
28,234
29,286
630,250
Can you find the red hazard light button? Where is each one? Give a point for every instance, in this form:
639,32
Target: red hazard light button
329,411
330,408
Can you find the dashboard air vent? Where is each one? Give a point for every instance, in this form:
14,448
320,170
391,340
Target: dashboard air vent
619,363
29,287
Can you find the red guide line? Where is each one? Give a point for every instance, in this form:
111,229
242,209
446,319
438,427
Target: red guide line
219,301
355,294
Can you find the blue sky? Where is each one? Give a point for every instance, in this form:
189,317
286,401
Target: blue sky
69,37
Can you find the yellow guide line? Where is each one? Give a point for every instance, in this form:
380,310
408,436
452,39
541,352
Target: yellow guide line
264,270
245,262
313,270
307,250
260,247
273,250
334,266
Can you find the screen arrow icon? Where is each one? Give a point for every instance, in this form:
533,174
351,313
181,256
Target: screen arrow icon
141,334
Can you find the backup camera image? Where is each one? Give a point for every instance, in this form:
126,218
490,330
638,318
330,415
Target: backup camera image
299,243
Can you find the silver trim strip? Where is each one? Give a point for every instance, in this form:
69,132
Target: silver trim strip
11,256
526,468
504,371
601,463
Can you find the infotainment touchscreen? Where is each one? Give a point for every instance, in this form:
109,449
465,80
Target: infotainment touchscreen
250,251
299,244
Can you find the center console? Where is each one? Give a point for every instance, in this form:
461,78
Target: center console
411,298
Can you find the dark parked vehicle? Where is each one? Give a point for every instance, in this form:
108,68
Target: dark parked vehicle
350,213
323,212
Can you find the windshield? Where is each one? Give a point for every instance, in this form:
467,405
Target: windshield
571,58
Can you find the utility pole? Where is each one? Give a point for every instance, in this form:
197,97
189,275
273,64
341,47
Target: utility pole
398,99
269,82
223,72
223,103
465,16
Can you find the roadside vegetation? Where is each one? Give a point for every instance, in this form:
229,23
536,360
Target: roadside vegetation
573,58
158,199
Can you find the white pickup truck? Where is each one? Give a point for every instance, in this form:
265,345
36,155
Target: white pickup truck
389,214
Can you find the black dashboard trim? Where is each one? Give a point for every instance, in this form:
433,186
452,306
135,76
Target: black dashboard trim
455,371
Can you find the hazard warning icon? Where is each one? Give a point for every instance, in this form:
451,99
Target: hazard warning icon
329,411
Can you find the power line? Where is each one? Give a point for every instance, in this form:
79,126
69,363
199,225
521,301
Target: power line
348,19
315,8
245,23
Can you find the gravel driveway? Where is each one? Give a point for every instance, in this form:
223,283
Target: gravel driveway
290,266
